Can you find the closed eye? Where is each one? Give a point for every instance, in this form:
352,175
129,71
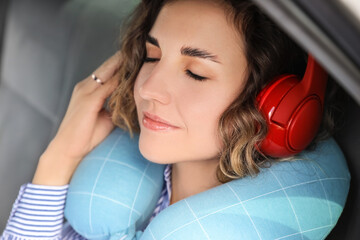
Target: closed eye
146,60
188,72
195,76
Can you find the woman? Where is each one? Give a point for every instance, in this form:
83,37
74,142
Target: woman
187,79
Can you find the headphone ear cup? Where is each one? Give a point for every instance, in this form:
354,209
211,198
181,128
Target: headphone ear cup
275,142
293,110
304,124
293,118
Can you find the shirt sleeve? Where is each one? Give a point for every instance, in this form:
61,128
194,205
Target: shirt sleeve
38,213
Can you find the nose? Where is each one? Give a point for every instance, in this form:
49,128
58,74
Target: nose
155,87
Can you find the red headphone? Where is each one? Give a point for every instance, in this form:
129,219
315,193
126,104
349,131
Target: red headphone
293,110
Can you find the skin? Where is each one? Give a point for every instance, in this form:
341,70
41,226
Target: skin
84,126
164,88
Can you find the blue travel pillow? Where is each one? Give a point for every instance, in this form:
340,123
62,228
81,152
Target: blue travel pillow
115,190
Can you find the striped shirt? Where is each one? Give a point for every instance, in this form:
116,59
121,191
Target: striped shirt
38,212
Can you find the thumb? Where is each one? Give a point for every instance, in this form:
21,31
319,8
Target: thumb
103,127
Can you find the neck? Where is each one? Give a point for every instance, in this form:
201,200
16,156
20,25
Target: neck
189,178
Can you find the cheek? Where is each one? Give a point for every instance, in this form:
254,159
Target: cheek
197,140
198,107
140,79
201,111
136,91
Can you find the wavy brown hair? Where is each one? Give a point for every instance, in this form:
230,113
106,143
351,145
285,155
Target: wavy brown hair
269,52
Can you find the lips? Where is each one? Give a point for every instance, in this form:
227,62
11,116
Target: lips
154,122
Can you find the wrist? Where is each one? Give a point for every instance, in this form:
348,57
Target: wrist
54,169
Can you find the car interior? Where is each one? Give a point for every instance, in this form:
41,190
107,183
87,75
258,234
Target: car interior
46,47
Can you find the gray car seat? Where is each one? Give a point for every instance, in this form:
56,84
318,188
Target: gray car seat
48,46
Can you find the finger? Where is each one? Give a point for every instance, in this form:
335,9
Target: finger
97,98
109,67
103,73
103,127
107,88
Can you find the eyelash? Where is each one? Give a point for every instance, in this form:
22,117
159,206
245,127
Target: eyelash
194,76
188,72
150,59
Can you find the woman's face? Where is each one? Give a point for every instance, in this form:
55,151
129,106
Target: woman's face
195,68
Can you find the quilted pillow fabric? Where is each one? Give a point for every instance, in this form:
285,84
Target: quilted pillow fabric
301,199
114,190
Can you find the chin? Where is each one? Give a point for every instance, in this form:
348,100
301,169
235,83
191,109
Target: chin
161,148
153,152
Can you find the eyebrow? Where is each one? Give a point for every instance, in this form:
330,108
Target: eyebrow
188,51
153,41
200,53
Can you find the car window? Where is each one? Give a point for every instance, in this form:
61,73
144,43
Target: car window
352,6
327,30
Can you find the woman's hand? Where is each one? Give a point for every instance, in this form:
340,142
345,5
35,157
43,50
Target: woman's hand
85,124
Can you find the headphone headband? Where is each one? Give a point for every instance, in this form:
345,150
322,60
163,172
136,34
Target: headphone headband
315,78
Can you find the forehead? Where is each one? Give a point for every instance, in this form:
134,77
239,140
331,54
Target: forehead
202,23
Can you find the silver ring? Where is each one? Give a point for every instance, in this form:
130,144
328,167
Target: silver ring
96,79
